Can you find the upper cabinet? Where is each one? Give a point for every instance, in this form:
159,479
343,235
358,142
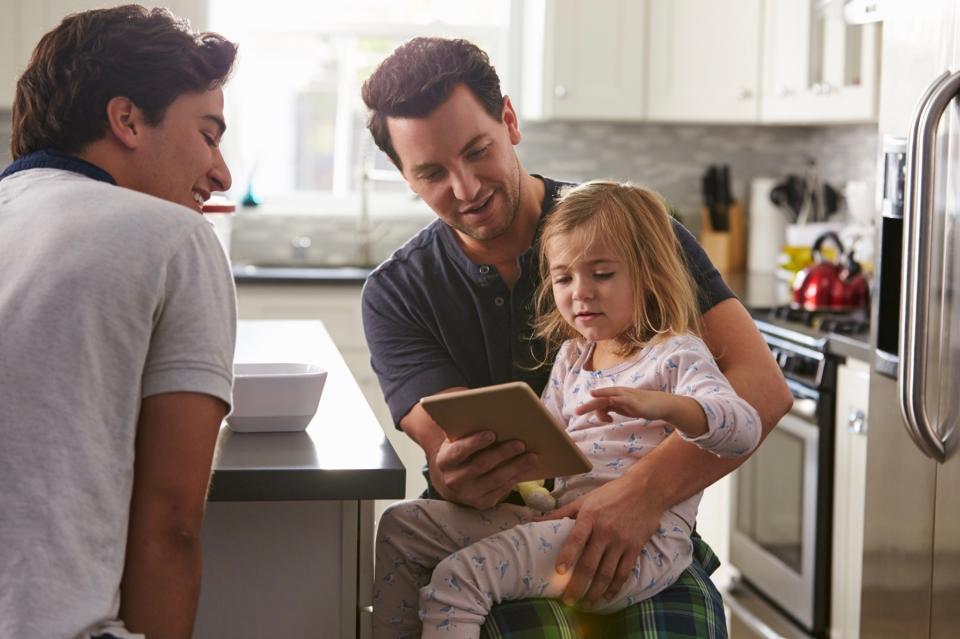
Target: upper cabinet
9,52
820,64
23,22
583,60
704,62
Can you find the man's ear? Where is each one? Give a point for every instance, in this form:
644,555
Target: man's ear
511,121
125,120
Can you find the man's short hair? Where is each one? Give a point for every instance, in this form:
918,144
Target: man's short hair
147,55
419,76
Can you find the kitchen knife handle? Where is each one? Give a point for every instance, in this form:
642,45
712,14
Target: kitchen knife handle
917,244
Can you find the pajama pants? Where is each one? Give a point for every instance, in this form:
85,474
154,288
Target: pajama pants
441,567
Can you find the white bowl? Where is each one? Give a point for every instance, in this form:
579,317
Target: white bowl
275,397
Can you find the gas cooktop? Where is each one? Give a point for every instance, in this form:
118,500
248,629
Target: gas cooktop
812,327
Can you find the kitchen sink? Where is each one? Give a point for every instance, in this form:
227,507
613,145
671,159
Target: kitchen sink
276,240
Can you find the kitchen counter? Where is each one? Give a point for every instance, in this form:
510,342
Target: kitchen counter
305,275
288,533
343,454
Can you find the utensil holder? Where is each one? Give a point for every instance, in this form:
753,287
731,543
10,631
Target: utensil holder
726,249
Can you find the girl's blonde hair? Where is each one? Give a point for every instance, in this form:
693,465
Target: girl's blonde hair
633,222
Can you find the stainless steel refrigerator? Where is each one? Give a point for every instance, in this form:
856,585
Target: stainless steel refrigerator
911,558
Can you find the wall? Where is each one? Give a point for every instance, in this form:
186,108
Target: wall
672,158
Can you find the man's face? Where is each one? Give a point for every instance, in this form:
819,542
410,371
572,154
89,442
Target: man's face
461,162
180,158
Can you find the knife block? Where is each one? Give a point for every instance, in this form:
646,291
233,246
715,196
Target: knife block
726,249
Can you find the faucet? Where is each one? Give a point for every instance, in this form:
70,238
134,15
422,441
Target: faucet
368,175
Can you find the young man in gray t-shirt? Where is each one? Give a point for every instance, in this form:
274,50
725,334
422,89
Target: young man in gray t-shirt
118,321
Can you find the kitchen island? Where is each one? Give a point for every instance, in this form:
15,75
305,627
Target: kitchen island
288,533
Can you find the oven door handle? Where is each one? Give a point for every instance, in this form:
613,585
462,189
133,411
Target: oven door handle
805,407
799,426
917,246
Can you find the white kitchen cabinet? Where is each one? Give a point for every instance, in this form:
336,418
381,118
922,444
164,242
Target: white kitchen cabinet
23,22
704,61
583,60
338,307
9,52
849,486
817,68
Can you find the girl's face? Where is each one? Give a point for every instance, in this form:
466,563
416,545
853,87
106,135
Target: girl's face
592,288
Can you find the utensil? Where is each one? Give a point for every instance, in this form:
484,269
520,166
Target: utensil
831,285
788,195
724,198
709,189
813,286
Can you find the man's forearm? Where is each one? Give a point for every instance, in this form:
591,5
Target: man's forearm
676,470
161,582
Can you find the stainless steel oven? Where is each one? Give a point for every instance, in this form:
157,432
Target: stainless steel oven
782,496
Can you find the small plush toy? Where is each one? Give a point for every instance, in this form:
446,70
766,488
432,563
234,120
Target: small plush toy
536,495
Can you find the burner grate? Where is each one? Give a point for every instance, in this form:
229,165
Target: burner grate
828,321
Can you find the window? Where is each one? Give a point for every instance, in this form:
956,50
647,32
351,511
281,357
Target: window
297,123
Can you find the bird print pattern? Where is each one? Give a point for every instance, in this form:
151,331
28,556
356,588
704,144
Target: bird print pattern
441,567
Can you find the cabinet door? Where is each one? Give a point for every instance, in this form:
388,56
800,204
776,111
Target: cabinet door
849,489
11,63
23,22
584,60
818,68
704,61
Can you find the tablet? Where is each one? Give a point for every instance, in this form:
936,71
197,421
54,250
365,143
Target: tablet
512,411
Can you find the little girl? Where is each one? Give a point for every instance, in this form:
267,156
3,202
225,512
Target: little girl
618,300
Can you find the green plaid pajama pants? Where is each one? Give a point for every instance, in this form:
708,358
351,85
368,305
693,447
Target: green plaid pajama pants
692,607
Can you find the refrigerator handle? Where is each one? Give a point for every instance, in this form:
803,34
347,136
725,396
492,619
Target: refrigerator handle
917,243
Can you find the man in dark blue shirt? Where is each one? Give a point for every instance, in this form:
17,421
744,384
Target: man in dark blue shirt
451,309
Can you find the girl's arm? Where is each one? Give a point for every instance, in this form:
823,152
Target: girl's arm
684,413
698,400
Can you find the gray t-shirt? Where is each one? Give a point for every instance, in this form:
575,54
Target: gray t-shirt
107,296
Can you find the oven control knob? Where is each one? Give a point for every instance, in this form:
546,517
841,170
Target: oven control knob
792,364
781,357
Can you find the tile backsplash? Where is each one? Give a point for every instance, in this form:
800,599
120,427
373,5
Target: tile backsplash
671,158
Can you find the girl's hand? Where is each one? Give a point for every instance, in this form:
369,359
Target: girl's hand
630,402
682,412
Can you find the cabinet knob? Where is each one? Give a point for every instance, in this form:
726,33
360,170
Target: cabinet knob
745,94
560,91
299,246
857,422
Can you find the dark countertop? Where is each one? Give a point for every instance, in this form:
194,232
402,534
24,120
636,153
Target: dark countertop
764,291
342,455
302,275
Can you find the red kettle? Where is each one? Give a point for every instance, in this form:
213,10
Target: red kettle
830,286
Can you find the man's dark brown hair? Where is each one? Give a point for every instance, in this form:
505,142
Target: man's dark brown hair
419,76
148,56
